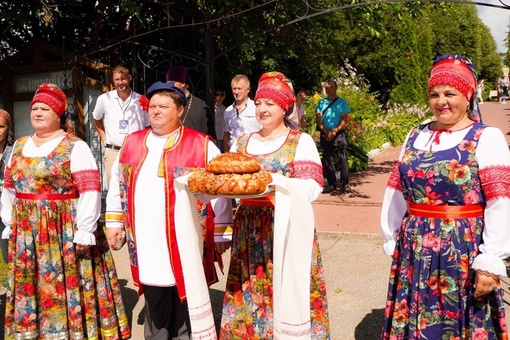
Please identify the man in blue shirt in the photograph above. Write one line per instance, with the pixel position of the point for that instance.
(331, 114)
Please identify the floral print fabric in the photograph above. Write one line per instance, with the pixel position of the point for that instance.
(430, 293)
(247, 306)
(55, 290)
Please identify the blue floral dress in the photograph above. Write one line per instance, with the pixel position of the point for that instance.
(430, 293)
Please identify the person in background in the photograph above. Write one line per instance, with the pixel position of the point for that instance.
(197, 114)
(445, 218)
(479, 91)
(219, 116)
(171, 277)
(297, 120)
(62, 282)
(502, 88)
(6, 142)
(300, 101)
(117, 113)
(332, 114)
(275, 284)
(240, 116)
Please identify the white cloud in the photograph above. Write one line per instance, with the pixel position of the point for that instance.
(497, 19)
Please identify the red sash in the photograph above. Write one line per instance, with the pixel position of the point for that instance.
(445, 211)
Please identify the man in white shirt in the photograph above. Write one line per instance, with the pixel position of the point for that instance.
(240, 118)
(117, 114)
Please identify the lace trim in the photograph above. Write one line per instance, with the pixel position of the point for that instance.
(8, 183)
(489, 274)
(495, 181)
(394, 180)
(87, 180)
(308, 169)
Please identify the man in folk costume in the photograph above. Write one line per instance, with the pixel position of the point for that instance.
(161, 224)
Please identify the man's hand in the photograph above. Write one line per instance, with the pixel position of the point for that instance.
(330, 135)
(115, 237)
(485, 283)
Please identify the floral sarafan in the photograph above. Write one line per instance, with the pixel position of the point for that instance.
(436, 300)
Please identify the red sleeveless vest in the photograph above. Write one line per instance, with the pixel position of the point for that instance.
(189, 151)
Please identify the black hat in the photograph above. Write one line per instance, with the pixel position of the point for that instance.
(168, 86)
(177, 73)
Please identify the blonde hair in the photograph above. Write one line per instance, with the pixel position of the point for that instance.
(241, 77)
(120, 69)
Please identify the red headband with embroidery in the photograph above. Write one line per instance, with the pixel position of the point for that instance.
(455, 73)
(275, 86)
(52, 96)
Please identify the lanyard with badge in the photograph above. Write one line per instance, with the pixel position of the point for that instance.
(123, 123)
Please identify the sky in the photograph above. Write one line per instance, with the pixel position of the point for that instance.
(497, 19)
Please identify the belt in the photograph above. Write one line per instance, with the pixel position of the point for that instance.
(46, 196)
(267, 201)
(114, 147)
(445, 211)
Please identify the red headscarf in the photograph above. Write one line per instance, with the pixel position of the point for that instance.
(456, 73)
(277, 87)
(52, 96)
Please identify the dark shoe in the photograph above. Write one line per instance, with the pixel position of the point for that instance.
(346, 188)
(329, 189)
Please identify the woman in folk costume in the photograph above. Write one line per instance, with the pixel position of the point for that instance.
(446, 218)
(275, 285)
(62, 282)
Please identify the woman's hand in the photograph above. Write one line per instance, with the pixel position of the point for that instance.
(485, 283)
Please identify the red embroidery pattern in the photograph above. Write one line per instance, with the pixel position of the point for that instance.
(308, 169)
(87, 180)
(394, 181)
(8, 179)
(495, 181)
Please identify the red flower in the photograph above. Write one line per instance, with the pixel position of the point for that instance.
(144, 103)
(71, 281)
(47, 302)
(29, 288)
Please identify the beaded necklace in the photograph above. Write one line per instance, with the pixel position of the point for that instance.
(187, 111)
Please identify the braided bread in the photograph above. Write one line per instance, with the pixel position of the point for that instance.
(233, 163)
(229, 184)
(231, 173)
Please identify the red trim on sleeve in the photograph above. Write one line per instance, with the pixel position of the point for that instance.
(495, 181)
(307, 170)
(394, 180)
(87, 180)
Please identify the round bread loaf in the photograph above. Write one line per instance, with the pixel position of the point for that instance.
(233, 163)
(229, 184)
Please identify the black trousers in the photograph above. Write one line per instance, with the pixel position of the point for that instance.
(338, 147)
(166, 318)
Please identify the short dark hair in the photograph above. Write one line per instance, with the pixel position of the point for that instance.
(331, 80)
